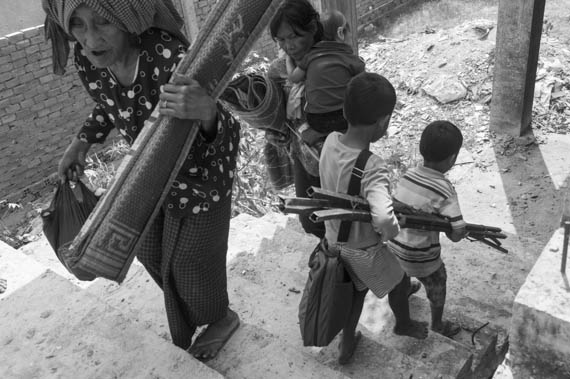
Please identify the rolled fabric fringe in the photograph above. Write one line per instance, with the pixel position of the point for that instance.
(257, 100)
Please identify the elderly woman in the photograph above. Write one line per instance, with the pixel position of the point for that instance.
(125, 52)
(297, 28)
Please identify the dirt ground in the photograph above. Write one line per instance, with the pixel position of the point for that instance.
(502, 181)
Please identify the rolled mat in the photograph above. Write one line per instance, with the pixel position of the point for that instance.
(108, 241)
(257, 100)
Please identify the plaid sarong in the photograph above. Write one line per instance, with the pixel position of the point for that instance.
(187, 258)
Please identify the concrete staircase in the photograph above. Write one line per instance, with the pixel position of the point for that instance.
(101, 329)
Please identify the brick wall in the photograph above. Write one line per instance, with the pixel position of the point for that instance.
(40, 112)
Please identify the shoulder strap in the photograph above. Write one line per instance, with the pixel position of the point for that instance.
(354, 189)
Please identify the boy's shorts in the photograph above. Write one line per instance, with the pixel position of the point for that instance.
(375, 268)
(435, 285)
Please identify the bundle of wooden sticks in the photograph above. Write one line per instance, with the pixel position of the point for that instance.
(326, 205)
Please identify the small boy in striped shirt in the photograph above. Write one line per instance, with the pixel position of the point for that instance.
(426, 188)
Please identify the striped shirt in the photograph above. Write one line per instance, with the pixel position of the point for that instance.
(428, 190)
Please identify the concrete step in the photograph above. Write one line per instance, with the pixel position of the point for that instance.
(437, 352)
(11, 263)
(276, 312)
(541, 319)
(138, 297)
(255, 353)
(484, 339)
(53, 329)
(280, 270)
(252, 349)
(492, 293)
(41, 251)
(247, 232)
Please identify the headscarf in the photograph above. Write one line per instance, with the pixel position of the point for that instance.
(132, 16)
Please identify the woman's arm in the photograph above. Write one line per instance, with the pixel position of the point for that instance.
(72, 163)
(294, 73)
(297, 75)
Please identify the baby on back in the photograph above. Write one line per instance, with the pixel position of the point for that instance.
(326, 70)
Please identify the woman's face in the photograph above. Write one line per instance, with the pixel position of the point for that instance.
(103, 43)
(295, 43)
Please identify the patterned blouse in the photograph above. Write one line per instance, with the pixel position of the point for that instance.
(207, 174)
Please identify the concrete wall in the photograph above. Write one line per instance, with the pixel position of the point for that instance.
(40, 112)
(540, 329)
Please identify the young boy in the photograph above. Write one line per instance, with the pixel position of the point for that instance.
(426, 188)
(368, 105)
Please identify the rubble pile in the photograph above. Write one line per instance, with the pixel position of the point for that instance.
(448, 74)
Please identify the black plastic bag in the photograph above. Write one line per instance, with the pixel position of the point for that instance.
(63, 219)
(327, 298)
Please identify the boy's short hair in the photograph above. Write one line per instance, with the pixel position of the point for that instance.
(439, 140)
(368, 97)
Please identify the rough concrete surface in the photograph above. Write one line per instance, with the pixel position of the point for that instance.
(516, 185)
(540, 332)
(74, 335)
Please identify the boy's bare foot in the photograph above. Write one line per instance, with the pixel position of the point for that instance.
(347, 347)
(415, 329)
(211, 341)
(447, 328)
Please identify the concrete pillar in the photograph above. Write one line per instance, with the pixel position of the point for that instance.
(540, 329)
(519, 28)
(348, 8)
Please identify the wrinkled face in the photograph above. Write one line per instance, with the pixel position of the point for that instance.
(103, 43)
(295, 43)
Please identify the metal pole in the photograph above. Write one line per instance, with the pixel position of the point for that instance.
(565, 246)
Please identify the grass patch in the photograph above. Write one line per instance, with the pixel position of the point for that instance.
(101, 167)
